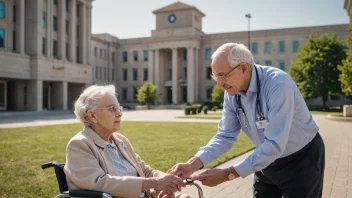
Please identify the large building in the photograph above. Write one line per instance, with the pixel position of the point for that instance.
(47, 54)
(348, 6)
(44, 53)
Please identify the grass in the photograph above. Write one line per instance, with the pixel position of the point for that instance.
(161, 145)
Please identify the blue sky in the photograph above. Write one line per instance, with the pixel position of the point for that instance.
(134, 18)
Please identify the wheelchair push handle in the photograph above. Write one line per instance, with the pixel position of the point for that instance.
(48, 165)
(190, 182)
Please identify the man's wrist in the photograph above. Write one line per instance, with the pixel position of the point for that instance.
(233, 171)
(195, 163)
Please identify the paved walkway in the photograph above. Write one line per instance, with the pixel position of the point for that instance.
(337, 137)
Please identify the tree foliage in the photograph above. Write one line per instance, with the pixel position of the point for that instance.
(148, 93)
(218, 94)
(346, 68)
(315, 69)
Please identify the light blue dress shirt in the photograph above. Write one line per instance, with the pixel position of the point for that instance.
(290, 125)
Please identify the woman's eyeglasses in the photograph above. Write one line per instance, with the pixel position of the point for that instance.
(113, 109)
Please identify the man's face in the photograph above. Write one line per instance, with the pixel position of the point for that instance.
(231, 79)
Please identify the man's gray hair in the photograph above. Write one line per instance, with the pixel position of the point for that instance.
(237, 53)
(90, 98)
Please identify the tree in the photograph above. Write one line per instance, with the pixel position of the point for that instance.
(218, 94)
(315, 69)
(346, 68)
(147, 94)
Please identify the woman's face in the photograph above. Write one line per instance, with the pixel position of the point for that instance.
(108, 115)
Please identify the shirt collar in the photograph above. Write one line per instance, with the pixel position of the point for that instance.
(253, 84)
(98, 140)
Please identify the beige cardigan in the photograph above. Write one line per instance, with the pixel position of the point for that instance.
(90, 166)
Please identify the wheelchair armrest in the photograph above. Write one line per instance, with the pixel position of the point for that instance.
(87, 193)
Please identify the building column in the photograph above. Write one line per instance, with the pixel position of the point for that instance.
(190, 75)
(157, 70)
(196, 74)
(83, 34)
(61, 41)
(59, 92)
(20, 13)
(49, 27)
(35, 95)
(151, 66)
(72, 30)
(89, 37)
(175, 86)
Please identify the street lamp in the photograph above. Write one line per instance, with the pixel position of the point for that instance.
(249, 16)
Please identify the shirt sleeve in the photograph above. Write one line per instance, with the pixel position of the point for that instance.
(227, 135)
(280, 115)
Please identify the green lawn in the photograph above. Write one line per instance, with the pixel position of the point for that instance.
(161, 145)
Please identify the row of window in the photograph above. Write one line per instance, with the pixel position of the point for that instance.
(55, 48)
(55, 24)
(135, 56)
(105, 54)
(135, 74)
(124, 92)
(268, 47)
(102, 73)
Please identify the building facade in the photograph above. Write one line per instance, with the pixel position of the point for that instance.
(44, 56)
(177, 56)
(348, 7)
(47, 54)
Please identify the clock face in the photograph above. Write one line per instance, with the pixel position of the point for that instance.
(172, 18)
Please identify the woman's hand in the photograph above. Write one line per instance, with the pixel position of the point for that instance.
(168, 184)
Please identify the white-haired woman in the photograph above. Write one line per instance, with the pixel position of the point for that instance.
(99, 158)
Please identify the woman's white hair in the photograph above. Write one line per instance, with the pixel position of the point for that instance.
(236, 53)
(90, 98)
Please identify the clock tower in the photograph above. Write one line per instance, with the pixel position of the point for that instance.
(178, 19)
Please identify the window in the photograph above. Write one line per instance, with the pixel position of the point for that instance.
(295, 46)
(207, 53)
(44, 46)
(77, 31)
(209, 71)
(67, 54)
(282, 46)
(96, 72)
(135, 90)
(2, 10)
(113, 57)
(95, 52)
(105, 73)
(282, 66)
(104, 54)
(209, 92)
(145, 74)
(77, 54)
(125, 75)
(44, 20)
(268, 63)
(124, 93)
(54, 23)
(145, 55)
(55, 2)
(184, 54)
(267, 48)
(67, 5)
(77, 11)
(101, 73)
(185, 73)
(170, 73)
(67, 27)
(254, 48)
(14, 13)
(135, 74)
(124, 56)
(2, 38)
(101, 53)
(112, 74)
(135, 55)
(14, 41)
(55, 48)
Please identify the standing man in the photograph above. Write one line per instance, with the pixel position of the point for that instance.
(264, 102)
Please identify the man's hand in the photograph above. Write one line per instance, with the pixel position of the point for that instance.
(212, 177)
(164, 194)
(183, 170)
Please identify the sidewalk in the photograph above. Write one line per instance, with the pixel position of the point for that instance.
(337, 137)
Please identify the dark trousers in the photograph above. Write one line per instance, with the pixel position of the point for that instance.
(300, 174)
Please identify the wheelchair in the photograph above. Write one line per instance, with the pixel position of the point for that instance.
(65, 193)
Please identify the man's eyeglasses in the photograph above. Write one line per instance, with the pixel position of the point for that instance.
(113, 109)
(224, 77)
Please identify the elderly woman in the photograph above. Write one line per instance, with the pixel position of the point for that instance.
(100, 159)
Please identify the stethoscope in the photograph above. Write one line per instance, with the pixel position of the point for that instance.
(240, 111)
